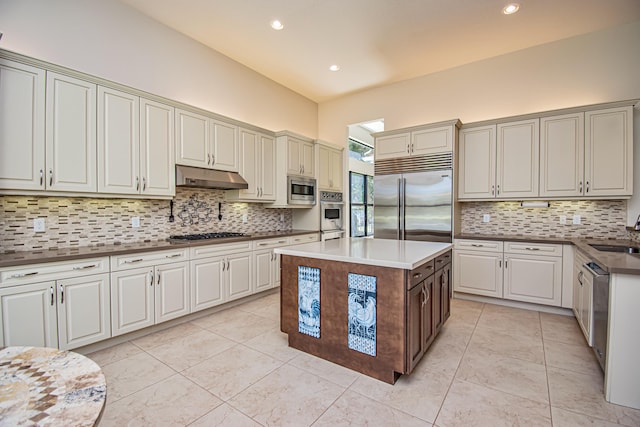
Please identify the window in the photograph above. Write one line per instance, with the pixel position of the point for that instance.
(360, 151)
(361, 207)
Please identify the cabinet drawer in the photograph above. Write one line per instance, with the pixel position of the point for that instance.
(220, 249)
(305, 238)
(479, 245)
(533, 248)
(270, 243)
(147, 259)
(52, 271)
(417, 275)
(443, 260)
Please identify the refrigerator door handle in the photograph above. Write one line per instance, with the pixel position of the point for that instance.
(403, 201)
(400, 210)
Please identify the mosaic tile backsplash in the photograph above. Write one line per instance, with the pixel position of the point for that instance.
(600, 219)
(72, 222)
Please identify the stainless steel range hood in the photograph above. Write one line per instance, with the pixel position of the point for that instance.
(187, 176)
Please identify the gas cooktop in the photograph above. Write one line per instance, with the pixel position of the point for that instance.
(206, 236)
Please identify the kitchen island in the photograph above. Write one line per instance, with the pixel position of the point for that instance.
(371, 305)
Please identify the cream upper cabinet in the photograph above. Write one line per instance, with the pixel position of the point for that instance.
(432, 140)
(118, 142)
(257, 167)
(300, 157)
(518, 145)
(192, 139)
(22, 126)
(70, 134)
(562, 155)
(224, 146)
(609, 152)
(157, 154)
(330, 168)
(477, 163)
(393, 146)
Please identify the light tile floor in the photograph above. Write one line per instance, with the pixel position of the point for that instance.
(490, 366)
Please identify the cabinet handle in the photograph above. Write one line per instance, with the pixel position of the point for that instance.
(41, 177)
(498, 190)
(18, 275)
(158, 281)
(506, 263)
(428, 296)
(208, 159)
(499, 263)
(144, 183)
(580, 274)
(151, 278)
(50, 177)
(228, 265)
(224, 264)
(173, 256)
(424, 299)
(477, 245)
(61, 294)
(442, 281)
(587, 188)
(531, 249)
(408, 150)
(84, 267)
(415, 276)
(439, 261)
(132, 261)
(52, 293)
(213, 160)
(137, 183)
(580, 184)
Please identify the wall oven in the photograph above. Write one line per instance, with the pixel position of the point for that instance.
(301, 191)
(331, 211)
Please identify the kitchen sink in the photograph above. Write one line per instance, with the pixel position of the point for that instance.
(616, 248)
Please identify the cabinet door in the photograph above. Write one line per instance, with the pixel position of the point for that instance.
(157, 151)
(415, 317)
(239, 275)
(518, 145)
(392, 146)
(430, 141)
(248, 162)
(562, 155)
(324, 168)
(263, 262)
(132, 300)
(430, 302)
(308, 159)
(335, 169)
(70, 134)
(172, 291)
(226, 155)
(436, 297)
(22, 96)
(83, 311)
(531, 278)
(294, 156)
(477, 173)
(28, 315)
(118, 142)
(267, 168)
(192, 139)
(478, 273)
(276, 271)
(445, 294)
(207, 283)
(609, 152)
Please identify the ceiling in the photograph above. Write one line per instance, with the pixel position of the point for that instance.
(375, 42)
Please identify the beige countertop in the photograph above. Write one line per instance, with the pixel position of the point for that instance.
(68, 254)
(612, 262)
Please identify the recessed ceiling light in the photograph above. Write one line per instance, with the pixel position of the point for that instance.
(334, 67)
(276, 25)
(511, 8)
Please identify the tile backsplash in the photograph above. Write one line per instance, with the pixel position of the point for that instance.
(72, 222)
(599, 219)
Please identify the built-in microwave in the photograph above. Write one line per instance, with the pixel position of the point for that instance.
(301, 191)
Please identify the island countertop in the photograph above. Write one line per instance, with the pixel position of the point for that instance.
(404, 254)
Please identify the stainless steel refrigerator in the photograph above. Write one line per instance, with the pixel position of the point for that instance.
(413, 206)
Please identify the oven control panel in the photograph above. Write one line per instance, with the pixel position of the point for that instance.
(330, 196)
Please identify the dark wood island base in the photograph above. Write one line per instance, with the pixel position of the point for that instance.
(382, 331)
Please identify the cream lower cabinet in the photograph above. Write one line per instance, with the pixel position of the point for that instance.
(220, 273)
(148, 288)
(67, 308)
(477, 267)
(267, 263)
(582, 296)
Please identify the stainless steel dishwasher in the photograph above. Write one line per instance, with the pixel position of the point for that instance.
(600, 310)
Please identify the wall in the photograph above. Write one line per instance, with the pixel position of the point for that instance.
(111, 40)
(593, 68)
(72, 222)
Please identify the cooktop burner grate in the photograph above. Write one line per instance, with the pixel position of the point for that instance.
(205, 236)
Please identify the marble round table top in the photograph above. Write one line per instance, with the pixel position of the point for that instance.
(49, 387)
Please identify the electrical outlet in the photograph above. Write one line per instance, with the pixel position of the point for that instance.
(563, 219)
(39, 225)
(486, 218)
(135, 221)
(281, 217)
(577, 220)
(244, 217)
